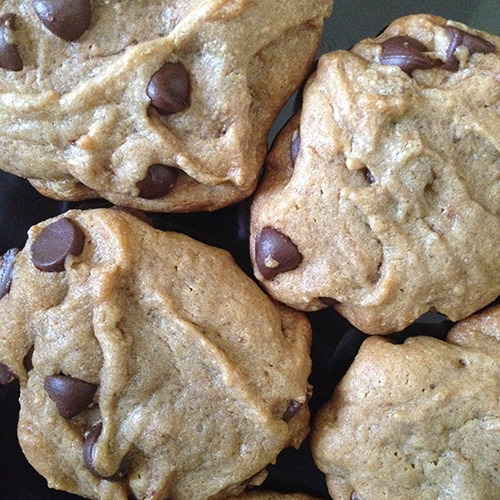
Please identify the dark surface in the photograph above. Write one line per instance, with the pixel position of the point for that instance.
(335, 342)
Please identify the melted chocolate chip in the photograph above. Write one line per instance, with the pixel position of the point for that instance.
(275, 253)
(405, 52)
(295, 146)
(71, 395)
(292, 410)
(88, 447)
(169, 88)
(6, 267)
(474, 44)
(67, 19)
(54, 243)
(9, 54)
(159, 181)
(6, 375)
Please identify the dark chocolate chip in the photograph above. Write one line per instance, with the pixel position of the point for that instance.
(6, 267)
(54, 243)
(71, 395)
(405, 52)
(275, 253)
(6, 375)
(474, 43)
(28, 359)
(368, 175)
(169, 88)
(88, 447)
(159, 181)
(451, 62)
(292, 410)
(295, 146)
(9, 54)
(67, 19)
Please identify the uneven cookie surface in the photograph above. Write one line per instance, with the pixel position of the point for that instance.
(159, 105)
(417, 420)
(143, 366)
(382, 196)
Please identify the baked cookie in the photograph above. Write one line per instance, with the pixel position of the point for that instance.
(143, 366)
(159, 105)
(382, 196)
(417, 420)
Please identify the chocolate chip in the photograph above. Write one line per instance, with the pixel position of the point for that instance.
(474, 43)
(275, 253)
(88, 447)
(9, 54)
(169, 88)
(6, 375)
(295, 146)
(54, 243)
(6, 267)
(71, 395)
(159, 181)
(405, 52)
(67, 19)
(368, 175)
(28, 359)
(292, 410)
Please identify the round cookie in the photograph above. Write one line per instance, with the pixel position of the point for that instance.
(149, 364)
(159, 105)
(416, 420)
(382, 196)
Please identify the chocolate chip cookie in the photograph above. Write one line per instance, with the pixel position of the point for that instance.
(417, 420)
(381, 198)
(159, 105)
(149, 364)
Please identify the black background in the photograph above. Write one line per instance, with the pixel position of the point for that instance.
(335, 342)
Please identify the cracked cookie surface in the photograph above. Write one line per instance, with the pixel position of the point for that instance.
(95, 95)
(143, 366)
(416, 420)
(381, 197)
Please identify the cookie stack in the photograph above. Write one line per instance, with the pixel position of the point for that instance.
(150, 364)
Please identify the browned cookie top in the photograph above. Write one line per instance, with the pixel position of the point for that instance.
(160, 105)
(149, 363)
(382, 196)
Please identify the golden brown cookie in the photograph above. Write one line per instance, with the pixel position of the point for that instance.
(159, 105)
(382, 196)
(149, 363)
(417, 420)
